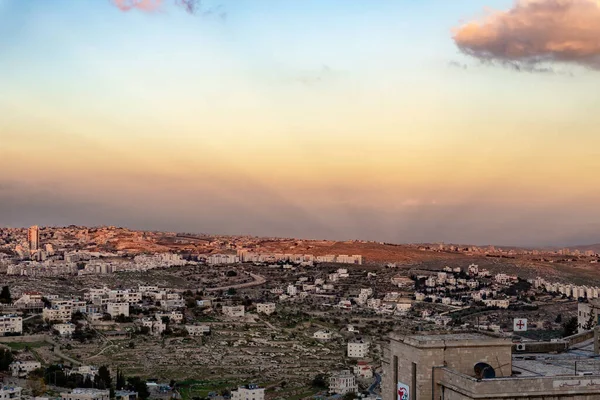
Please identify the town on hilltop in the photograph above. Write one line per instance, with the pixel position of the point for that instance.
(98, 313)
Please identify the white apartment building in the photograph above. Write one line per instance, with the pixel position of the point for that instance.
(86, 394)
(197, 330)
(10, 392)
(64, 329)
(358, 349)
(292, 290)
(116, 309)
(21, 369)
(10, 324)
(248, 392)
(265, 308)
(234, 311)
(342, 382)
(322, 335)
(59, 311)
(146, 289)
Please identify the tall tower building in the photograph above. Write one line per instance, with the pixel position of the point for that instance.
(33, 238)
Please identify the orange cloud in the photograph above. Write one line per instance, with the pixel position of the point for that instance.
(536, 31)
(144, 5)
(152, 5)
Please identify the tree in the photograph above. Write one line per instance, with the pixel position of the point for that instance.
(121, 382)
(570, 327)
(138, 385)
(349, 396)
(103, 377)
(5, 297)
(37, 386)
(591, 323)
(6, 358)
(558, 319)
(320, 382)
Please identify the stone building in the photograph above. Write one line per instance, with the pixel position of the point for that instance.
(465, 366)
(586, 313)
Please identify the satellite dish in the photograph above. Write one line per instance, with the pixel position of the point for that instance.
(484, 371)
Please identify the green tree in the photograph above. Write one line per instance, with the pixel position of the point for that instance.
(558, 319)
(349, 396)
(320, 382)
(591, 323)
(5, 297)
(121, 382)
(570, 327)
(103, 379)
(138, 385)
(6, 358)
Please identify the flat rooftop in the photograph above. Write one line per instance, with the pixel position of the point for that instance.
(457, 339)
(577, 360)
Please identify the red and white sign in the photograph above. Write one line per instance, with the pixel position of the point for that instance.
(403, 391)
(519, 325)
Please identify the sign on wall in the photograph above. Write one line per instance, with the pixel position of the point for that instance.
(519, 325)
(403, 391)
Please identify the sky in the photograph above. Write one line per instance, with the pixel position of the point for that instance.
(389, 120)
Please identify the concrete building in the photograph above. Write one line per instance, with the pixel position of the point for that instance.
(10, 392)
(248, 392)
(234, 311)
(358, 349)
(21, 369)
(64, 329)
(363, 370)
(33, 238)
(197, 330)
(468, 366)
(116, 309)
(342, 382)
(156, 327)
(322, 335)
(265, 308)
(86, 394)
(587, 315)
(11, 324)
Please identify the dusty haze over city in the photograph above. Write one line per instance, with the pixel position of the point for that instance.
(382, 120)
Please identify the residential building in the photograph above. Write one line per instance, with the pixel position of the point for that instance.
(11, 324)
(358, 349)
(363, 370)
(10, 392)
(197, 330)
(86, 394)
(248, 392)
(21, 369)
(322, 335)
(265, 308)
(64, 329)
(116, 309)
(59, 311)
(125, 395)
(156, 327)
(234, 311)
(33, 238)
(342, 382)
(588, 315)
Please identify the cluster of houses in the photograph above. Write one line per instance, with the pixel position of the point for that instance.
(247, 256)
(574, 291)
(88, 263)
(453, 288)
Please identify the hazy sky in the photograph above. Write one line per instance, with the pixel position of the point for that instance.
(403, 121)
